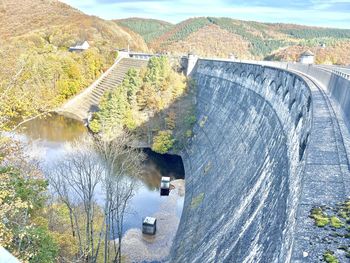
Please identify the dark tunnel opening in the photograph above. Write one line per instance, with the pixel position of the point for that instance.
(167, 164)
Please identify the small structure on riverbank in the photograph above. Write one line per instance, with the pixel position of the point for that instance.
(149, 226)
(165, 186)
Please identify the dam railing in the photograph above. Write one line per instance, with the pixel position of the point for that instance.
(342, 72)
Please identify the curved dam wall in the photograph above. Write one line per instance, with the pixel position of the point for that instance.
(244, 165)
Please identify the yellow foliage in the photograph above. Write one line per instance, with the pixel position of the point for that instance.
(171, 120)
(67, 243)
(163, 142)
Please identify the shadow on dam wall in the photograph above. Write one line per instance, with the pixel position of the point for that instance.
(244, 164)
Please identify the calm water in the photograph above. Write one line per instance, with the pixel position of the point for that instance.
(48, 141)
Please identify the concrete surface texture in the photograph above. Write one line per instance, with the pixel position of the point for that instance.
(268, 146)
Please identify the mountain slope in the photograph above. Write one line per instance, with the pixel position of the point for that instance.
(37, 72)
(60, 23)
(210, 36)
(205, 42)
(149, 29)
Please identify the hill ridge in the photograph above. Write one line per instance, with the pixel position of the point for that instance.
(277, 41)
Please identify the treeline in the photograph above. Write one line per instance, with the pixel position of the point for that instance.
(248, 39)
(310, 33)
(143, 104)
(263, 40)
(260, 44)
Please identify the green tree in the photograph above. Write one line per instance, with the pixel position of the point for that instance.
(163, 141)
(132, 84)
(113, 110)
(158, 70)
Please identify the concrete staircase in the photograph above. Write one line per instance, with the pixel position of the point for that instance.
(87, 101)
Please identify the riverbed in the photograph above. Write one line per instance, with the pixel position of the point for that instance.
(49, 139)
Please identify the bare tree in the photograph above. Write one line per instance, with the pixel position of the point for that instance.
(110, 164)
(75, 179)
(119, 204)
(123, 164)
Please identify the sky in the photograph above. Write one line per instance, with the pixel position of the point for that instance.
(328, 13)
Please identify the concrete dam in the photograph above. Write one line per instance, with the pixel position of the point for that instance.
(269, 145)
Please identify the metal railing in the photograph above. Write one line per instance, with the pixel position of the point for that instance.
(342, 72)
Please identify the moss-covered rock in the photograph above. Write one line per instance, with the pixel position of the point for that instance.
(329, 257)
(320, 218)
(336, 222)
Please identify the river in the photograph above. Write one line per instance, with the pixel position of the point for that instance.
(47, 141)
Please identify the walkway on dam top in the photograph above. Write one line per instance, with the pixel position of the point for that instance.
(326, 178)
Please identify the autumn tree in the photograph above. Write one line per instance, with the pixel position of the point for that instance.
(163, 141)
(22, 203)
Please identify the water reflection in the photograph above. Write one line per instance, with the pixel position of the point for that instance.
(49, 141)
(55, 128)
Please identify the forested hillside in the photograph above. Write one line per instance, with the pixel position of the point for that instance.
(211, 36)
(37, 73)
(149, 29)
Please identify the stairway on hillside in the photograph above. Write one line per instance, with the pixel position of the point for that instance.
(87, 101)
